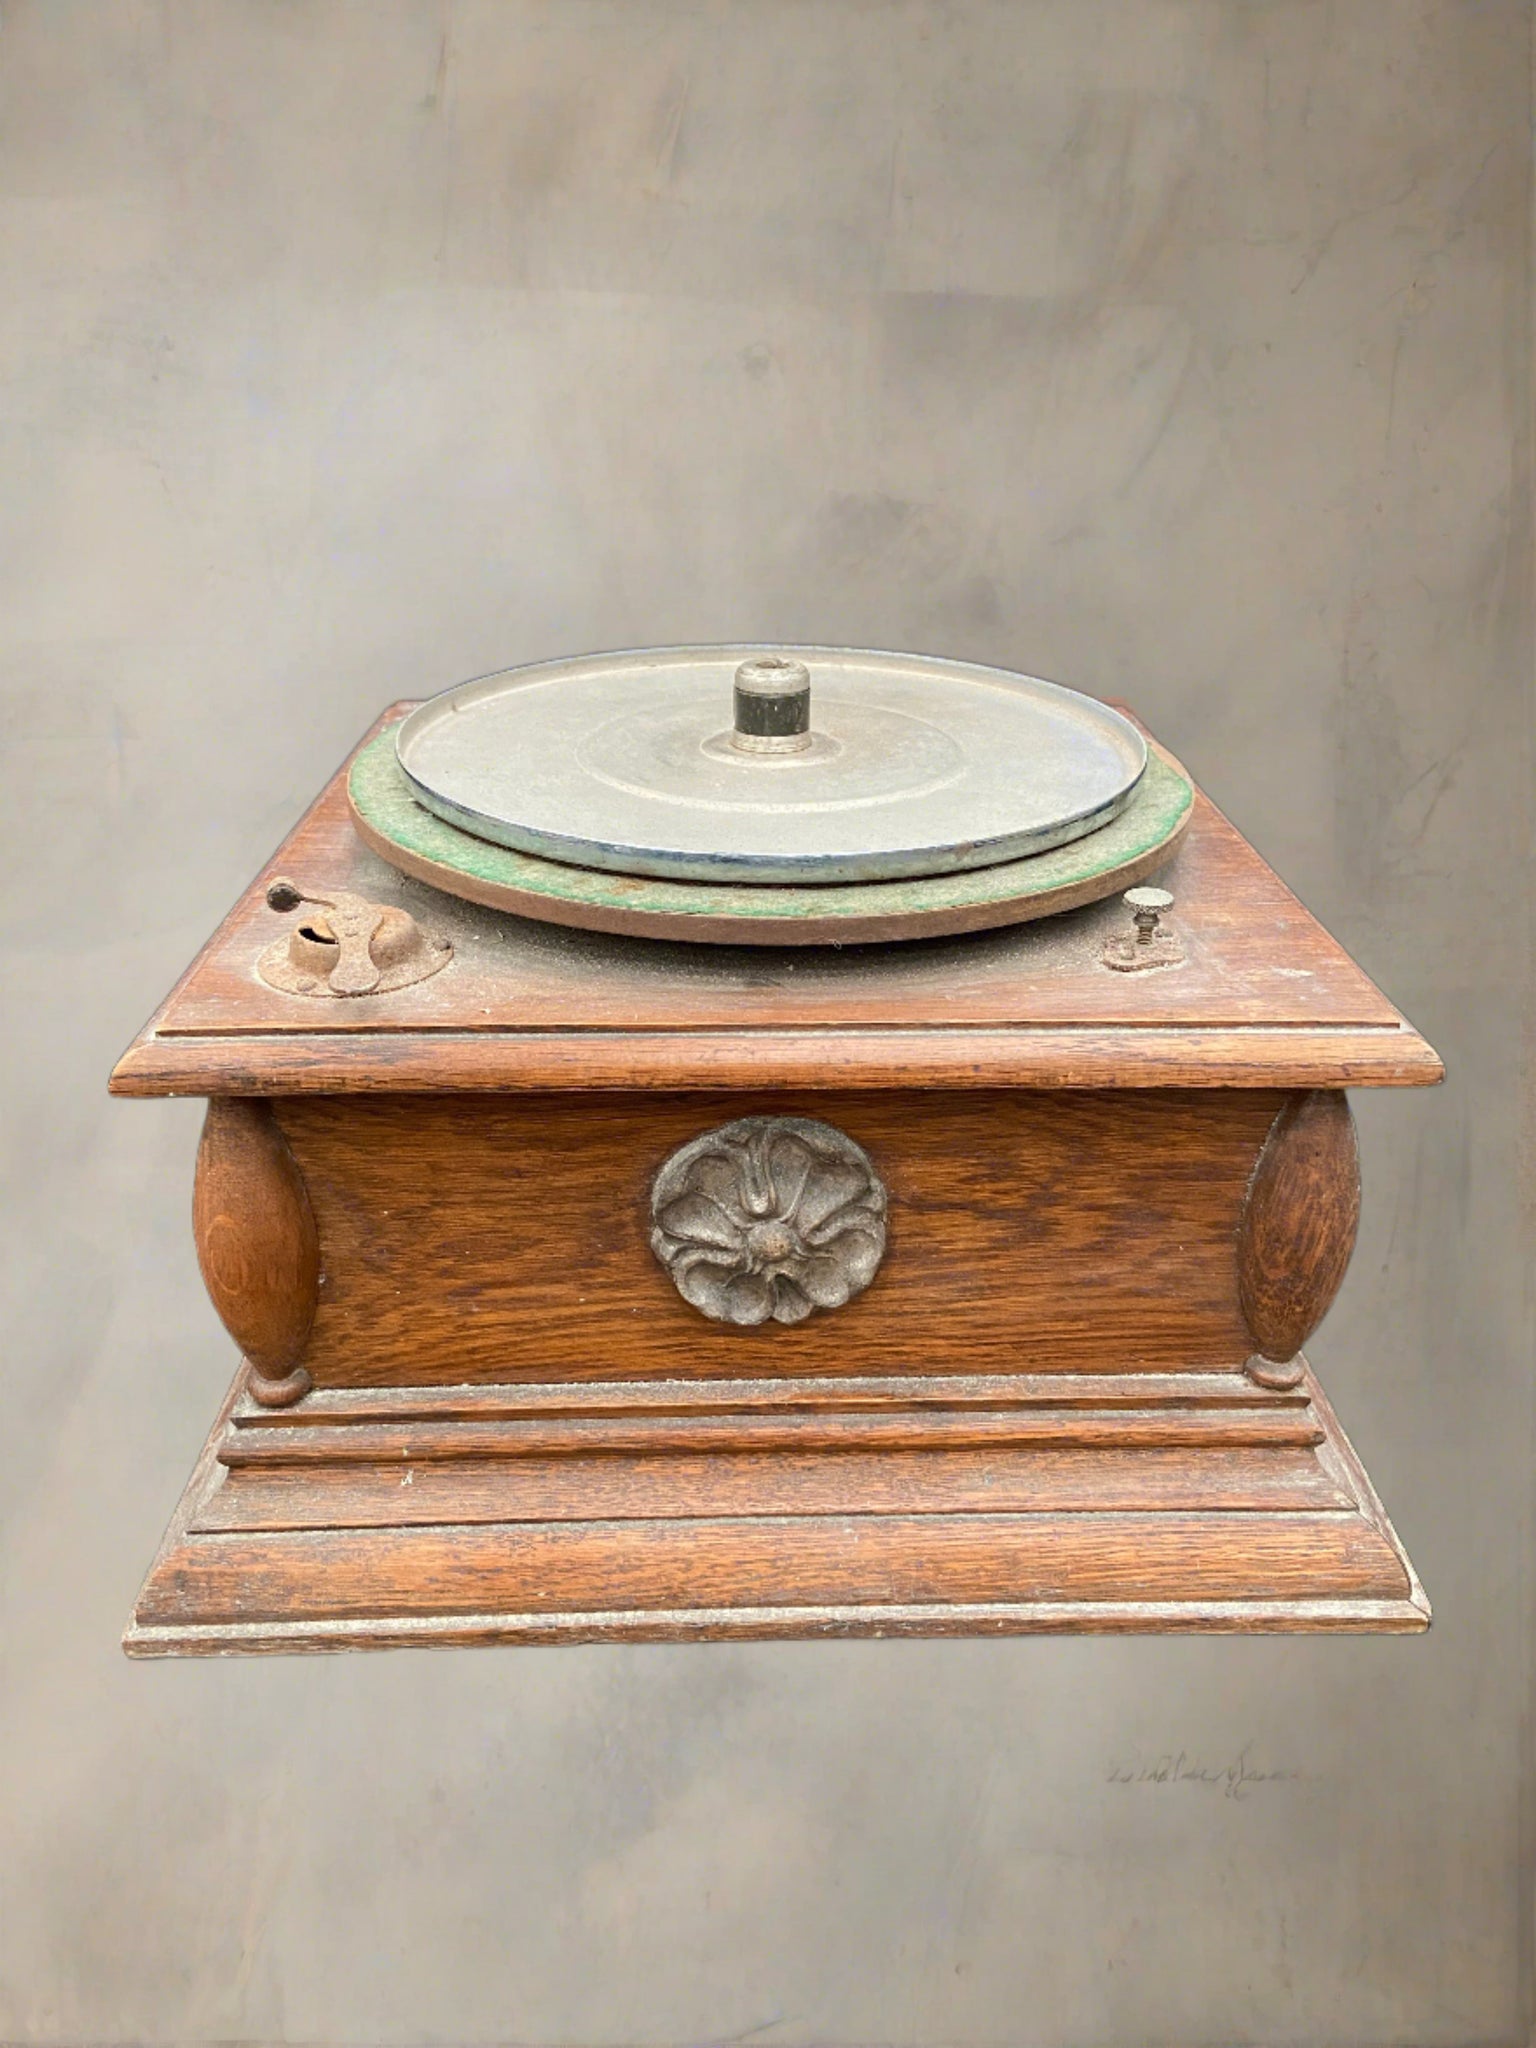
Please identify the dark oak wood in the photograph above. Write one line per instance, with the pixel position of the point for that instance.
(506, 1238)
(1025, 1057)
(884, 1620)
(945, 1394)
(389, 1550)
(257, 1245)
(615, 1488)
(803, 1561)
(1265, 998)
(1297, 1231)
(656, 1436)
(1116, 1206)
(338, 1458)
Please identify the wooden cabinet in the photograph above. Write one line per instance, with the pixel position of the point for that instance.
(1034, 1364)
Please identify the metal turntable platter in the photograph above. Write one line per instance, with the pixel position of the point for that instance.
(791, 765)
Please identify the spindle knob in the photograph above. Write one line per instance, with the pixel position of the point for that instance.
(773, 706)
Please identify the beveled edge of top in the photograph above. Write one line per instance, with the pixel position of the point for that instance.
(493, 1062)
(799, 1057)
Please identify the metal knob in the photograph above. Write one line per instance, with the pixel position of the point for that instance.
(1147, 907)
(1152, 943)
(773, 706)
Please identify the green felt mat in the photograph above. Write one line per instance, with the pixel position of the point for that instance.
(381, 795)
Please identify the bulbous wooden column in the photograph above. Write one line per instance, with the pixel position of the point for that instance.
(257, 1244)
(1297, 1230)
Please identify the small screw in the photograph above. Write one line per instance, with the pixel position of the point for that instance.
(1147, 907)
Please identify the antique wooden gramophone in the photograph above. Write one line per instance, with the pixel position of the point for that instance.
(718, 1143)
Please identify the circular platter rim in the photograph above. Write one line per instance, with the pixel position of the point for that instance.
(518, 757)
(418, 843)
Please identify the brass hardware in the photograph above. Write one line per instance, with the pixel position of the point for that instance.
(355, 948)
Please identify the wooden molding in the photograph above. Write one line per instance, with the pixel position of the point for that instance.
(257, 1245)
(1071, 1398)
(527, 1006)
(1007, 1212)
(1297, 1230)
(321, 1530)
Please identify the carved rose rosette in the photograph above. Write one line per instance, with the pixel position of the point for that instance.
(769, 1218)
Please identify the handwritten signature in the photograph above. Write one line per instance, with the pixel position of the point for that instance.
(1233, 1780)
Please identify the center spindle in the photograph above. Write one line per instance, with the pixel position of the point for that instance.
(773, 706)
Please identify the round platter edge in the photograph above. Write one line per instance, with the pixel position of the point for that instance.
(666, 848)
(1117, 856)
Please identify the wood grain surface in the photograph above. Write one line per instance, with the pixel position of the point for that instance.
(257, 1245)
(433, 1205)
(803, 1561)
(1297, 1230)
(396, 1551)
(529, 1062)
(371, 1554)
(947, 1394)
(615, 1488)
(506, 1238)
(1265, 997)
(399, 1444)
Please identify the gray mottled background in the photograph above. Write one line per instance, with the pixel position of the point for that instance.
(1176, 348)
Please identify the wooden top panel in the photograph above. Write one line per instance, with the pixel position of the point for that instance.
(1265, 997)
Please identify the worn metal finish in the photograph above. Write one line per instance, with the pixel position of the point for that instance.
(631, 763)
(769, 1217)
(1151, 943)
(1148, 906)
(1137, 843)
(355, 948)
(772, 707)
